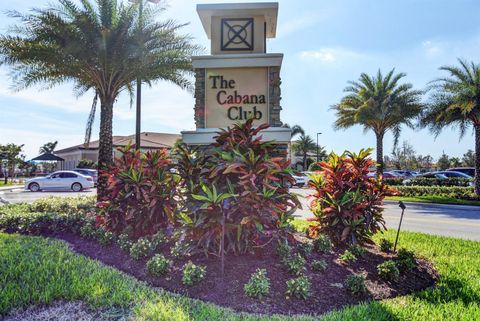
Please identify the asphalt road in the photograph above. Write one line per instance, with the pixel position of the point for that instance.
(449, 220)
(18, 195)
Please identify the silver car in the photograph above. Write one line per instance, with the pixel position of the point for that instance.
(61, 180)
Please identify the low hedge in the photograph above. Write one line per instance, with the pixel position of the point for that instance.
(51, 214)
(422, 181)
(459, 192)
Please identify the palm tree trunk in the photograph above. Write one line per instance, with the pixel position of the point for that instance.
(105, 149)
(477, 159)
(304, 161)
(379, 152)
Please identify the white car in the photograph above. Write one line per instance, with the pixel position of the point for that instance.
(61, 180)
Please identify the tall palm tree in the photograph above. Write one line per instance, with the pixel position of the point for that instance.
(99, 45)
(302, 146)
(379, 103)
(455, 101)
(296, 130)
(48, 148)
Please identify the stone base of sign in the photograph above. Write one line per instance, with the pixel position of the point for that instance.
(205, 136)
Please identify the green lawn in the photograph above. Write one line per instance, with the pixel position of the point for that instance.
(38, 270)
(433, 199)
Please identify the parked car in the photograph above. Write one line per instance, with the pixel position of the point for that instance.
(300, 180)
(385, 175)
(404, 173)
(93, 173)
(470, 171)
(440, 175)
(60, 180)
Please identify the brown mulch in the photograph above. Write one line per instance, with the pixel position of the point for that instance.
(327, 292)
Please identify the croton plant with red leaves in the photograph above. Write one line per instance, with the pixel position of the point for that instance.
(245, 167)
(347, 203)
(141, 193)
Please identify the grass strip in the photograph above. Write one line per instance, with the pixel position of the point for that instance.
(37, 270)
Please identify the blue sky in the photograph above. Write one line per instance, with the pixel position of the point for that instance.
(325, 43)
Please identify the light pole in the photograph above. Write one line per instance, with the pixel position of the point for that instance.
(139, 79)
(318, 151)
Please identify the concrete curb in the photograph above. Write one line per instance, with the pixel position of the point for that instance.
(10, 188)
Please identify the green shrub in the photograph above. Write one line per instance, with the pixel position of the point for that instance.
(388, 271)
(298, 288)
(21, 218)
(296, 265)
(355, 284)
(88, 230)
(305, 248)
(405, 259)
(386, 245)
(242, 165)
(104, 237)
(258, 285)
(322, 243)
(348, 257)
(345, 202)
(465, 193)
(124, 242)
(158, 239)
(319, 265)
(357, 250)
(141, 248)
(179, 249)
(64, 205)
(283, 249)
(193, 273)
(451, 181)
(158, 265)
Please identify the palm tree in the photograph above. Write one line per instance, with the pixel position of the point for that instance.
(455, 101)
(48, 148)
(379, 103)
(101, 46)
(302, 146)
(296, 130)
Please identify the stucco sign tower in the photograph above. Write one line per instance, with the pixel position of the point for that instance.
(239, 79)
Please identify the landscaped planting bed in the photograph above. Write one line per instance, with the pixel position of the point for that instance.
(42, 271)
(327, 288)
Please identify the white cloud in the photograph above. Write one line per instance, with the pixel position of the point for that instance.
(330, 55)
(432, 48)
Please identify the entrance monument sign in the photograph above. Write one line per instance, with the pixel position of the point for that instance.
(239, 79)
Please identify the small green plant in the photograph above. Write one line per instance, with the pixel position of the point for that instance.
(296, 265)
(386, 245)
(319, 265)
(357, 250)
(355, 284)
(141, 249)
(388, 271)
(406, 260)
(283, 249)
(258, 285)
(180, 249)
(193, 273)
(305, 248)
(157, 240)
(348, 257)
(322, 243)
(124, 242)
(88, 230)
(158, 265)
(104, 237)
(298, 288)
